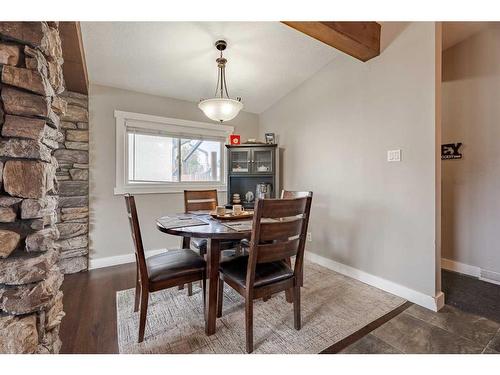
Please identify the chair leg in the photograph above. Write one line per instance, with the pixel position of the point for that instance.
(143, 314)
(249, 324)
(289, 292)
(296, 307)
(181, 286)
(137, 293)
(190, 289)
(266, 298)
(220, 298)
(204, 291)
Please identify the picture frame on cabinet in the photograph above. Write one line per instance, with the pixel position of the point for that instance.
(270, 138)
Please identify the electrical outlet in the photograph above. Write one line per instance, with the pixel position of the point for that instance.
(394, 155)
(309, 237)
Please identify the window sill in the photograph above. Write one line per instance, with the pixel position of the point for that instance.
(162, 189)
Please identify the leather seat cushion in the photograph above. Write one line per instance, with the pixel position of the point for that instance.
(265, 273)
(199, 243)
(202, 243)
(174, 263)
(228, 255)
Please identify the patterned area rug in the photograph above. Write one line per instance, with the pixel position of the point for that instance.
(333, 307)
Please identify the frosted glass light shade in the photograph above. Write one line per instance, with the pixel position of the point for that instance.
(220, 109)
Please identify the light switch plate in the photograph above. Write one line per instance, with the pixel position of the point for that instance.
(394, 155)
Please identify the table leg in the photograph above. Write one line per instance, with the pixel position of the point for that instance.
(213, 256)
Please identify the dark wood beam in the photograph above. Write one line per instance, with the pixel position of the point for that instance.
(74, 67)
(358, 39)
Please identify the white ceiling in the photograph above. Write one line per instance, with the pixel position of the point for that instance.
(266, 60)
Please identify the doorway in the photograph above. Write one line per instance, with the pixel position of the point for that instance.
(470, 167)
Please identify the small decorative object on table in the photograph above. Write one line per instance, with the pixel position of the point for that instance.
(270, 139)
(233, 215)
(237, 209)
(234, 139)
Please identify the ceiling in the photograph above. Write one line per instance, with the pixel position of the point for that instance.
(455, 32)
(266, 60)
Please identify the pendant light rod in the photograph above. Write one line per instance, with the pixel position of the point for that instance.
(221, 87)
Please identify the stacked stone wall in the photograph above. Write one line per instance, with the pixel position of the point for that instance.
(31, 113)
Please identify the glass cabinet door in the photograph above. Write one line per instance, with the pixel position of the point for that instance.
(263, 161)
(240, 161)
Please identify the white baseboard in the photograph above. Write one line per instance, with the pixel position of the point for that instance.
(118, 259)
(466, 269)
(433, 303)
(474, 271)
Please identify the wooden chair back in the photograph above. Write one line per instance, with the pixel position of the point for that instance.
(284, 222)
(200, 200)
(136, 237)
(288, 194)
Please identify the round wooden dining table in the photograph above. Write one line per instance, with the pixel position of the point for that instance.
(215, 232)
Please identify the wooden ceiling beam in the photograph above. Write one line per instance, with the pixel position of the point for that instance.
(75, 66)
(358, 39)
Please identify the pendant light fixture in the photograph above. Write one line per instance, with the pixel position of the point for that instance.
(221, 108)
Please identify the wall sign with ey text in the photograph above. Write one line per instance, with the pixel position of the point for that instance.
(451, 151)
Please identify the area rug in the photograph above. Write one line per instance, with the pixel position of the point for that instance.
(333, 307)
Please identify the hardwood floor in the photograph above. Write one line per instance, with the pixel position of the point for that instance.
(90, 305)
(90, 322)
(89, 326)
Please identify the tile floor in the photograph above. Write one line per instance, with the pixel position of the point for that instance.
(472, 295)
(418, 330)
(451, 330)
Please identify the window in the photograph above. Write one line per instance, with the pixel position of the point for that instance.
(161, 155)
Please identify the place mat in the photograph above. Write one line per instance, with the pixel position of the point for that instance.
(180, 221)
(333, 307)
(245, 225)
(239, 226)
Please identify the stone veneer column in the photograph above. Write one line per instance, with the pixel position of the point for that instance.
(73, 178)
(31, 78)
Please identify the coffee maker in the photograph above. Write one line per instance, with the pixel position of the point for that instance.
(263, 190)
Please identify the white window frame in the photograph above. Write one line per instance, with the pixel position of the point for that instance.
(170, 125)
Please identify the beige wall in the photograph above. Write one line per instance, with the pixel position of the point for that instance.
(109, 231)
(471, 186)
(336, 128)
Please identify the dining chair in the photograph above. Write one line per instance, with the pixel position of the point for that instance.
(207, 200)
(289, 194)
(278, 233)
(161, 271)
(285, 194)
